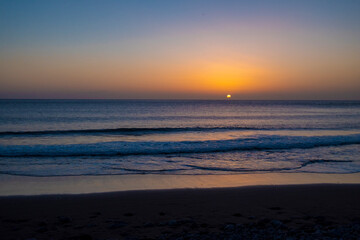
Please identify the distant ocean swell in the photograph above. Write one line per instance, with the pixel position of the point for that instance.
(165, 130)
(122, 148)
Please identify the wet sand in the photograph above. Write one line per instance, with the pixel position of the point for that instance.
(263, 212)
(28, 185)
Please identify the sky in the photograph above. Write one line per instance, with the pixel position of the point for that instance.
(152, 49)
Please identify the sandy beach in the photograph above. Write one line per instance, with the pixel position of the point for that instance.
(180, 120)
(313, 211)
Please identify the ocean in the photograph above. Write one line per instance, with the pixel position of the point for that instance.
(178, 137)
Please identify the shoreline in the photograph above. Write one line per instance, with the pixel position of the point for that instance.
(284, 211)
(27, 186)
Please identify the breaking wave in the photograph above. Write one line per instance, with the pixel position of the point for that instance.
(122, 148)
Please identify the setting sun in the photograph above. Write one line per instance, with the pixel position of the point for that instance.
(229, 107)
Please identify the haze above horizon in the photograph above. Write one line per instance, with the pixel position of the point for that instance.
(137, 49)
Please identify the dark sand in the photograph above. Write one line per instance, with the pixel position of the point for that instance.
(323, 211)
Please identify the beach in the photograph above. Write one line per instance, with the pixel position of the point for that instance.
(179, 169)
(308, 211)
(179, 120)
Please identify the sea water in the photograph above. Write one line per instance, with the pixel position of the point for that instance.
(178, 137)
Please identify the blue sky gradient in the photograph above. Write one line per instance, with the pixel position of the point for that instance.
(307, 49)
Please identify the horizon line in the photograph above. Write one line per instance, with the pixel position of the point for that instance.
(179, 99)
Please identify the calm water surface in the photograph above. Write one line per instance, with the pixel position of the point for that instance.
(107, 137)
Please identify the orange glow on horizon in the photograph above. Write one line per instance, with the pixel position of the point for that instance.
(180, 78)
(229, 77)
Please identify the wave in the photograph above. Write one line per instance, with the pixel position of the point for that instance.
(122, 131)
(143, 131)
(192, 169)
(304, 164)
(323, 161)
(122, 148)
